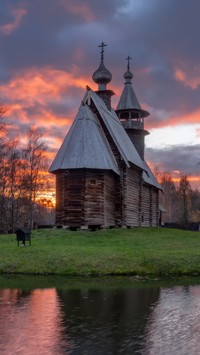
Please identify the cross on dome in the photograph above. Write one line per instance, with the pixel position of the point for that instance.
(102, 50)
(128, 75)
(102, 76)
(128, 64)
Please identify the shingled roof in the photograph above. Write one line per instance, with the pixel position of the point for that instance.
(128, 99)
(116, 130)
(85, 145)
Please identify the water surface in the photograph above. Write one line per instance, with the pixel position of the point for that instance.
(136, 319)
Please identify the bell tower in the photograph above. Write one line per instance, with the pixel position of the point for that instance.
(131, 114)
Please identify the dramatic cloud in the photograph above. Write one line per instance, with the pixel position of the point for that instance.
(189, 79)
(49, 51)
(182, 156)
(12, 23)
(47, 98)
(178, 160)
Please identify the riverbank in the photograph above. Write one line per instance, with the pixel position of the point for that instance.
(136, 251)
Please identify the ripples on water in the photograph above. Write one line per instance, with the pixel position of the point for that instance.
(88, 321)
(174, 325)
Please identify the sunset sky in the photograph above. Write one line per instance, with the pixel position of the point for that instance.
(49, 51)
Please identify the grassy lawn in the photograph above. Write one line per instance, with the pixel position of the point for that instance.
(137, 251)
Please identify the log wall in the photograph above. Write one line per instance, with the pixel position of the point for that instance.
(59, 198)
(118, 203)
(85, 198)
(70, 197)
(155, 208)
(94, 198)
(131, 199)
(146, 206)
(109, 199)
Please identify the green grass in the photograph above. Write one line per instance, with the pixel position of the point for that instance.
(137, 251)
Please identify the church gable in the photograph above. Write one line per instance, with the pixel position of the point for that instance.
(116, 131)
(85, 145)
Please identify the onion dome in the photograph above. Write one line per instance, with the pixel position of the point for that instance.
(102, 76)
(128, 76)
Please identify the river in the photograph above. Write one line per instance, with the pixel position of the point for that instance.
(99, 317)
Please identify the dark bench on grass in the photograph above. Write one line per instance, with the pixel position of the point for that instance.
(23, 235)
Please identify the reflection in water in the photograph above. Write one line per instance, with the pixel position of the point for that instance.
(174, 326)
(150, 321)
(107, 322)
(73, 321)
(30, 322)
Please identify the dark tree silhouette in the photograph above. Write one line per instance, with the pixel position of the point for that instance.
(184, 195)
(35, 164)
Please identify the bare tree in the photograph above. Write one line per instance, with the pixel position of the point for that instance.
(184, 194)
(35, 167)
(3, 167)
(195, 202)
(169, 197)
(3, 110)
(15, 192)
(22, 176)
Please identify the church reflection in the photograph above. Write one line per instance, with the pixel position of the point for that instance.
(87, 320)
(108, 322)
(50, 321)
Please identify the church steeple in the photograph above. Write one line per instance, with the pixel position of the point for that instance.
(102, 76)
(131, 114)
(128, 100)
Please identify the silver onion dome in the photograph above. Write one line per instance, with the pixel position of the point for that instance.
(102, 76)
(128, 75)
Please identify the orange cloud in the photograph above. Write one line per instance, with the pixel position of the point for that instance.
(34, 97)
(144, 71)
(189, 118)
(49, 119)
(11, 26)
(190, 79)
(82, 10)
(36, 89)
(41, 85)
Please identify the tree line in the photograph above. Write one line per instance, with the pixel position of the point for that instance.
(181, 202)
(22, 176)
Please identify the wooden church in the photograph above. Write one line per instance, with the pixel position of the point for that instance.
(102, 178)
